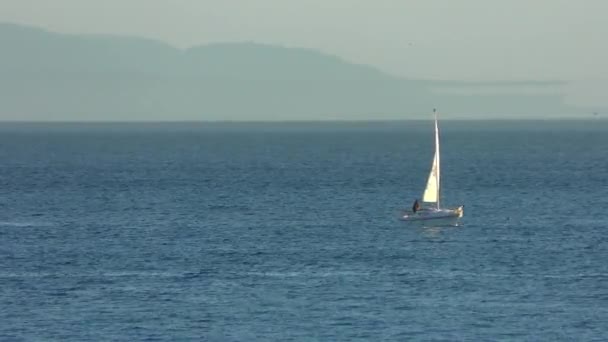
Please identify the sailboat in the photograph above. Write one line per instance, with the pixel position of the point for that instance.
(431, 198)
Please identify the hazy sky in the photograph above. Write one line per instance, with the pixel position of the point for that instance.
(438, 39)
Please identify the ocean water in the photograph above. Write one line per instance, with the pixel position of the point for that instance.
(287, 232)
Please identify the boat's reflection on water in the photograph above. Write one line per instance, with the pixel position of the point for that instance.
(435, 229)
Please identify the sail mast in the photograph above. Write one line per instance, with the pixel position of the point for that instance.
(437, 159)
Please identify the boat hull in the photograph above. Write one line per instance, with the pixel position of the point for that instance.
(435, 215)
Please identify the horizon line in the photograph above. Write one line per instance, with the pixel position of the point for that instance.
(569, 118)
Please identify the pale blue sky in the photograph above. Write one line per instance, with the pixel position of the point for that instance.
(434, 39)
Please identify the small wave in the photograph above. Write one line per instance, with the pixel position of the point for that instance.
(151, 274)
(576, 275)
(111, 274)
(275, 274)
(313, 274)
(24, 224)
(467, 274)
(25, 274)
(586, 221)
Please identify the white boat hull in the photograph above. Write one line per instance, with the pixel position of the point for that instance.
(435, 215)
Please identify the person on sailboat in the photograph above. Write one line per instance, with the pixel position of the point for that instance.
(416, 206)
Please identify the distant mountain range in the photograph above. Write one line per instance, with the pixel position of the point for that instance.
(50, 76)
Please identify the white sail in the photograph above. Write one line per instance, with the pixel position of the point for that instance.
(431, 192)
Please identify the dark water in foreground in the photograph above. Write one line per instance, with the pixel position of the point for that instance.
(288, 232)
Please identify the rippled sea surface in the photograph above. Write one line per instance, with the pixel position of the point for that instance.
(244, 232)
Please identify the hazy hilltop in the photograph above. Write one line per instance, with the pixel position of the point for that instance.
(50, 76)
